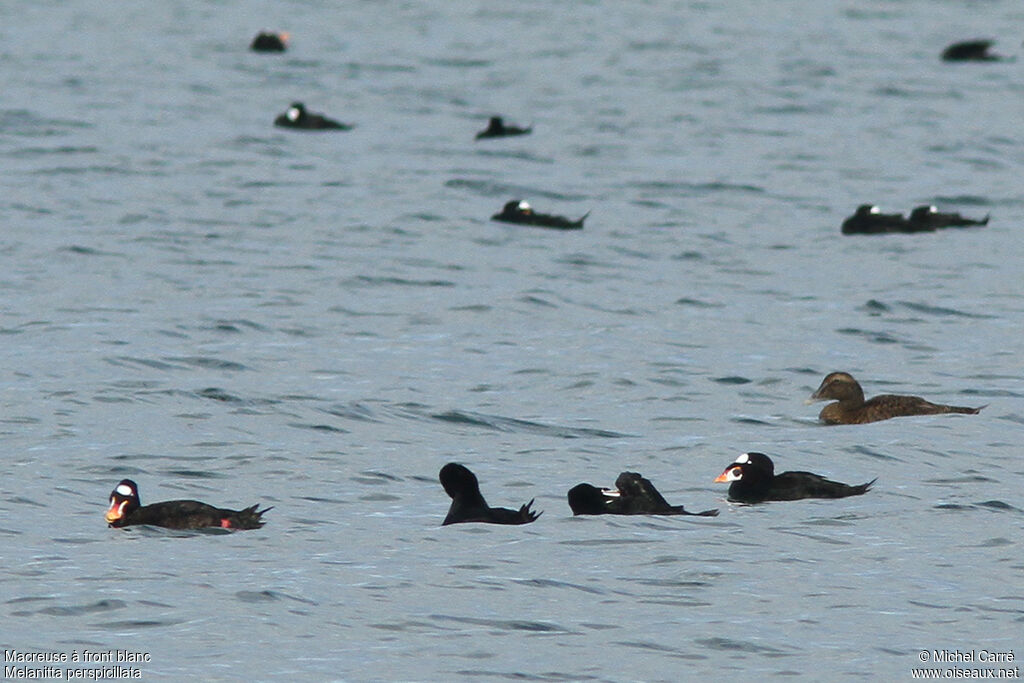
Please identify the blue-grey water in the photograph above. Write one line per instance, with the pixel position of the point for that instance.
(227, 311)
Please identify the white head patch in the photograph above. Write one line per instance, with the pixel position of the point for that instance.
(875, 209)
(743, 459)
(524, 205)
(932, 209)
(294, 113)
(733, 474)
(125, 490)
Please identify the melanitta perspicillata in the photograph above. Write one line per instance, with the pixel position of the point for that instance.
(496, 128)
(752, 479)
(852, 409)
(125, 510)
(633, 495)
(266, 41)
(929, 218)
(297, 117)
(518, 211)
(868, 220)
(971, 51)
(469, 506)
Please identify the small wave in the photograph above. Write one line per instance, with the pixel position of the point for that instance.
(489, 188)
(734, 646)
(940, 310)
(405, 282)
(511, 424)
(505, 624)
(88, 608)
(875, 337)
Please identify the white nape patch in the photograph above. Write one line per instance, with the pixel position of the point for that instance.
(933, 209)
(524, 206)
(124, 490)
(293, 114)
(875, 209)
(743, 459)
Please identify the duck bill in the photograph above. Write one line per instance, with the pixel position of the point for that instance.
(722, 478)
(115, 513)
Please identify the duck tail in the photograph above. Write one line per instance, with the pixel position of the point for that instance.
(251, 518)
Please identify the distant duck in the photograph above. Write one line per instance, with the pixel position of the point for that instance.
(632, 495)
(518, 211)
(868, 220)
(297, 117)
(971, 51)
(929, 218)
(497, 129)
(269, 42)
(752, 479)
(468, 505)
(850, 408)
(126, 510)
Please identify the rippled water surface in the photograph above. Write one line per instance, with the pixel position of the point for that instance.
(227, 311)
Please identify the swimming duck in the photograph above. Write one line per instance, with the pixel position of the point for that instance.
(632, 495)
(126, 510)
(868, 220)
(266, 41)
(297, 117)
(851, 408)
(496, 128)
(518, 211)
(971, 51)
(929, 218)
(752, 479)
(468, 505)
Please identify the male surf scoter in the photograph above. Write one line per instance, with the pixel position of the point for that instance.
(469, 506)
(297, 117)
(752, 479)
(971, 51)
(851, 408)
(868, 220)
(518, 211)
(633, 495)
(496, 128)
(266, 41)
(125, 510)
(929, 218)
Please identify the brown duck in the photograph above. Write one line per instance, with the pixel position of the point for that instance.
(851, 408)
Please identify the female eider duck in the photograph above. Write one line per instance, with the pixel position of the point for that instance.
(632, 495)
(297, 117)
(752, 479)
(850, 408)
(519, 212)
(468, 505)
(125, 510)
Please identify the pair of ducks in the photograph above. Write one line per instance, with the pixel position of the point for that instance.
(869, 220)
(751, 477)
(298, 117)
